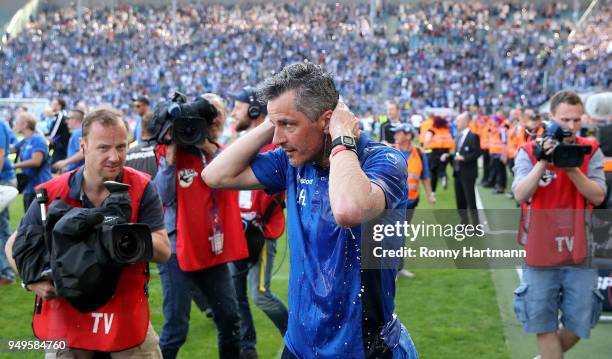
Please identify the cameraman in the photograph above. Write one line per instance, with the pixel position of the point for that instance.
(197, 218)
(558, 282)
(128, 331)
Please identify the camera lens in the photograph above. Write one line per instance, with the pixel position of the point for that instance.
(189, 131)
(127, 248)
(129, 243)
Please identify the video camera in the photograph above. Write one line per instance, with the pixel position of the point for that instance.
(563, 155)
(187, 121)
(90, 246)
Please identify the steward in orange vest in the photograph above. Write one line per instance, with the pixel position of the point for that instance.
(418, 171)
(423, 130)
(513, 134)
(417, 165)
(441, 138)
(534, 128)
(484, 127)
(439, 141)
(484, 135)
(497, 153)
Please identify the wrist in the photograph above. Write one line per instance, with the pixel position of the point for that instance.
(571, 170)
(338, 149)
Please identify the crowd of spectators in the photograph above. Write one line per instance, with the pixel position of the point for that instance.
(440, 60)
(441, 54)
(586, 62)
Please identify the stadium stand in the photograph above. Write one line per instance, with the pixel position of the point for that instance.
(493, 55)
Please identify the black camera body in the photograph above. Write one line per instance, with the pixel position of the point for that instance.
(563, 154)
(90, 246)
(124, 242)
(187, 122)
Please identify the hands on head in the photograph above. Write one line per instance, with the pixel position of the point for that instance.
(343, 122)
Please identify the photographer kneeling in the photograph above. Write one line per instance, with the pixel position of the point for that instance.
(558, 180)
(204, 224)
(121, 324)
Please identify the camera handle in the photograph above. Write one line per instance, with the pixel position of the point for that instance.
(42, 198)
(114, 186)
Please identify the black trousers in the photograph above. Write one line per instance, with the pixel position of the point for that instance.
(465, 197)
(498, 175)
(409, 214)
(510, 165)
(486, 159)
(437, 168)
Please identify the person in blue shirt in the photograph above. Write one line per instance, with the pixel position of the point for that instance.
(7, 177)
(336, 179)
(141, 107)
(74, 157)
(33, 156)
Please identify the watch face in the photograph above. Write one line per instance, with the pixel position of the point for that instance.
(348, 141)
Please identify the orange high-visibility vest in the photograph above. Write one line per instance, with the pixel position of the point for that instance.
(415, 170)
(513, 140)
(425, 126)
(441, 139)
(484, 136)
(474, 127)
(496, 146)
(608, 164)
(521, 137)
(525, 136)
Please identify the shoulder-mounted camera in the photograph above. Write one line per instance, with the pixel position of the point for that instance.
(186, 122)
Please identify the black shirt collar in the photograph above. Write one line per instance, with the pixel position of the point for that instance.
(76, 183)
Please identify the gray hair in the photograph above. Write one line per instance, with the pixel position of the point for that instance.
(315, 91)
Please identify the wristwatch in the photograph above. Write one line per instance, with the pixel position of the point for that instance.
(346, 141)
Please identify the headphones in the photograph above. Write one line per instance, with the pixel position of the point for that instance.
(254, 109)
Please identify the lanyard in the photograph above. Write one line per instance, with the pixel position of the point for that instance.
(213, 191)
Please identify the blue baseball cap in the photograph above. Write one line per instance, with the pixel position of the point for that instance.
(248, 95)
